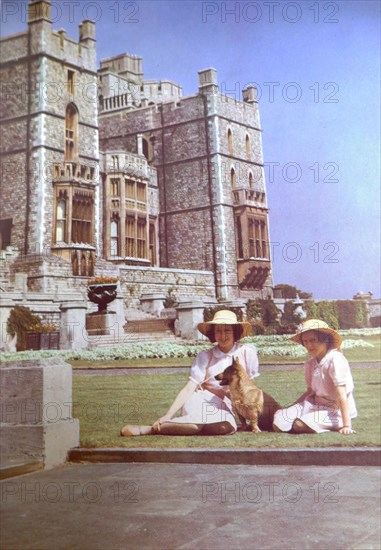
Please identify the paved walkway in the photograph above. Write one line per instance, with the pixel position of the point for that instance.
(192, 506)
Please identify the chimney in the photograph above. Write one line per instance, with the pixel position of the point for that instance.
(249, 94)
(87, 30)
(207, 81)
(39, 10)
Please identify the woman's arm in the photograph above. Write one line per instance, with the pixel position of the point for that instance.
(343, 404)
(307, 393)
(181, 398)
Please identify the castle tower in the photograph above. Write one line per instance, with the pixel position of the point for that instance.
(50, 155)
(207, 150)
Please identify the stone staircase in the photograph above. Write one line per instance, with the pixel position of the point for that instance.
(143, 327)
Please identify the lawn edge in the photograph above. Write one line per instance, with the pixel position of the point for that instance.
(329, 456)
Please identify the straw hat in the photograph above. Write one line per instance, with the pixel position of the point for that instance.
(224, 317)
(321, 326)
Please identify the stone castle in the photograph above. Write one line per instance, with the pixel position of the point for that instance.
(104, 172)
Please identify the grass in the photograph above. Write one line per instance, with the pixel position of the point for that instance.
(103, 404)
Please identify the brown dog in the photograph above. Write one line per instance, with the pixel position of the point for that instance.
(248, 400)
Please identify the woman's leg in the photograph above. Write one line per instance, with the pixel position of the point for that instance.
(284, 418)
(218, 428)
(300, 427)
(177, 428)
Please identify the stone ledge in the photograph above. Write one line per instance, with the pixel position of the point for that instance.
(21, 469)
(330, 456)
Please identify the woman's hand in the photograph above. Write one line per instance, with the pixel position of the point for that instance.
(346, 430)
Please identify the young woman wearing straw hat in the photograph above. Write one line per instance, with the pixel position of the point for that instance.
(205, 405)
(328, 404)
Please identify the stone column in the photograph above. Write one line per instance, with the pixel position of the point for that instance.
(37, 426)
(189, 315)
(73, 334)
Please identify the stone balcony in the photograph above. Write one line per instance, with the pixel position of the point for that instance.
(249, 197)
(70, 171)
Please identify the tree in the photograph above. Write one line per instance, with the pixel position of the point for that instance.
(290, 292)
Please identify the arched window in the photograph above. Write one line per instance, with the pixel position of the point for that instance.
(61, 220)
(71, 132)
(248, 147)
(250, 180)
(114, 233)
(230, 142)
(233, 178)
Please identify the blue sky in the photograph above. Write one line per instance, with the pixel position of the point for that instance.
(317, 69)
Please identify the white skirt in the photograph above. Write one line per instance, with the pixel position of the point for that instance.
(204, 407)
(319, 417)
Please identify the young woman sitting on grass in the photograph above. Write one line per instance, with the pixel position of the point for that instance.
(328, 404)
(205, 405)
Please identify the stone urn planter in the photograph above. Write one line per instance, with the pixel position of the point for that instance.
(102, 294)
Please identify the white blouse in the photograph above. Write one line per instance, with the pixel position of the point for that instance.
(323, 377)
(211, 362)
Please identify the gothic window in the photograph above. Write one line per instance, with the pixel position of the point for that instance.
(141, 237)
(248, 147)
(146, 149)
(130, 189)
(114, 184)
(115, 163)
(141, 192)
(74, 263)
(239, 237)
(71, 132)
(82, 214)
(152, 243)
(233, 178)
(130, 236)
(252, 242)
(61, 235)
(230, 142)
(114, 234)
(5, 233)
(70, 82)
(250, 180)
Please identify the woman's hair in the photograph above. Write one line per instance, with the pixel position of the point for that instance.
(237, 333)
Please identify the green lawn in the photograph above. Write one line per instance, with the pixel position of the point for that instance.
(103, 404)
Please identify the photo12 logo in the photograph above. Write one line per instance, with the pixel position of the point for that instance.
(270, 12)
(69, 11)
(288, 92)
(268, 491)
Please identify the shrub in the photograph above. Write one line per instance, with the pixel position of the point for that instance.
(265, 310)
(170, 300)
(325, 310)
(352, 313)
(20, 321)
(257, 327)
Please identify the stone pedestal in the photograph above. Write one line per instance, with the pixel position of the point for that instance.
(36, 412)
(189, 315)
(73, 333)
(100, 324)
(152, 303)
